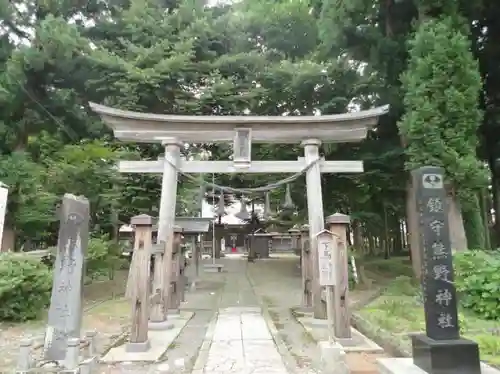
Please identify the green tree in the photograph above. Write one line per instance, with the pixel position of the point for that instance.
(30, 207)
(442, 86)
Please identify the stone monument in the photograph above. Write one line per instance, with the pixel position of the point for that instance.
(64, 349)
(65, 312)
(440, 350)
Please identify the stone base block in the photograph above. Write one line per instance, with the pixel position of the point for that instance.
(460, 356)
(159, 340)
(213, 268)
(406, 366)
(138, 347)
(318, 328)
(333, 358)
(304, 309)
(160, 326)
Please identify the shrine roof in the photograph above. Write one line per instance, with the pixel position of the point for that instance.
(150, 128)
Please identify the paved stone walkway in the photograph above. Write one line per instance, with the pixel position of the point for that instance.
(242, 343)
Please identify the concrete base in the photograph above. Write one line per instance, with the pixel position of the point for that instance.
(333, 358)
(318, 328)
(159, 343)
(160, 326)
(406, 366)
(213, 268)
(137, 347)
(303, 309)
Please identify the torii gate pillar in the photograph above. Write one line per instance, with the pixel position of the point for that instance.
(316, 218)
(163, 262)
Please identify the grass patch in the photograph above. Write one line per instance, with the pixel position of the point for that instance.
(399, 311)
(393, 267)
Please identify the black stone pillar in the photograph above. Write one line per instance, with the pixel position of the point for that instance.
(440, 350)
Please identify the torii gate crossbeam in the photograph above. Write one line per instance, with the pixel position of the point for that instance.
(228, 167)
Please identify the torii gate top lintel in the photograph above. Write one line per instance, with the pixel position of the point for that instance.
(151, 128)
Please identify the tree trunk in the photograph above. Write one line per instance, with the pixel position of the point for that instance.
(357, 237)
(398, 235)
(8, 239)
(457, 230)
(413, 229)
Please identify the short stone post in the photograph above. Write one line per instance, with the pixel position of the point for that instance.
(140, 289)
(338, 224)
(90, 364)
(24, 360)
(90, 338)
(174, 299)
(71, 360)
(306, 267)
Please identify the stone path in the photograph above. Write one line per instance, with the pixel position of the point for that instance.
(242, 343)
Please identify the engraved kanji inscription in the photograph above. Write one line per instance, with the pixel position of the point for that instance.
(445, 320)
(441, 272)
(435, 205)
(438, 251)
(436, 226)
(444, 297)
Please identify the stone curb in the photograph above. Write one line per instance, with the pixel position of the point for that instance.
(202, 357)
(388, 341)
(280, 344)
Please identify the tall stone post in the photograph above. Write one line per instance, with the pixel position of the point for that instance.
(165, 230)
(195, 253)
(306, 267)
(220, 231)
(139, 291)
(295, 243)
(316, 218)
(174, 301)
(338, 224)
(441, 349)
(65, 312)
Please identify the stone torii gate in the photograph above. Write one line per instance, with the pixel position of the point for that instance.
(175, 130)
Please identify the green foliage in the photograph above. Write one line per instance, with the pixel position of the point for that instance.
(31, 207)
(103, 257)
(478, 282)
(396, 266)
(25, 285)
(442, 87)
